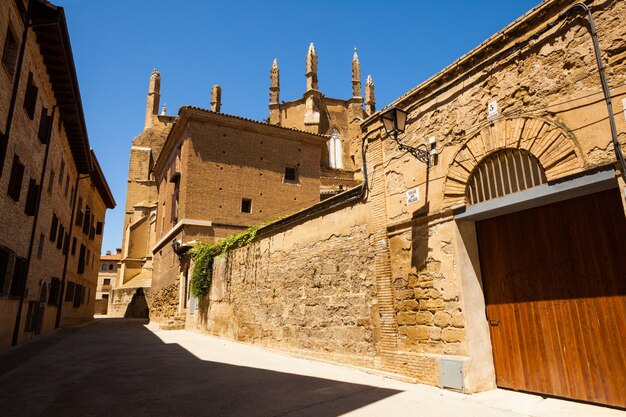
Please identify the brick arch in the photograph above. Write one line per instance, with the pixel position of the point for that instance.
(552, 145)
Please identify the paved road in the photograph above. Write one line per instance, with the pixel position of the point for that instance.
(121, 367)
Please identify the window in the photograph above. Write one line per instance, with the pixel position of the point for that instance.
(246, 205)
(6, 257)
(9, 55)
(67, 186)
(291, 174)
(335, 154)
(104, 267)
(40, 246)
(44, 126)
(50, 182)
(66, 243)
(31, 197)
(30, 99)
(72, 194)
(107, 281)
(53, 227)
(78, 295)
(18, 282)
(86, 220)
(31, 316)
(81, 259)
(110, 267)
(55, 291)
(15, 181)
(99, 228)
(73, 246)
(60, 237)
(69, 293)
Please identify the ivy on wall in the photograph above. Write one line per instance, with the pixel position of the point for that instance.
(203, 255)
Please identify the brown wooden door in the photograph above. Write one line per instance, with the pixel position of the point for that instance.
(555, 287)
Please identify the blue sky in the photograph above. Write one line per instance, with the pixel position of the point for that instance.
(195, 44)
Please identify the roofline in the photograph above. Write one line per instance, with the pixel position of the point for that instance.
(190, 113)
(70, 106)
(97, 177)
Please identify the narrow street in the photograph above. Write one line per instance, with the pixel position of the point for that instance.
(123, 367)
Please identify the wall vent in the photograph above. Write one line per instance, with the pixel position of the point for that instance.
(451, 373)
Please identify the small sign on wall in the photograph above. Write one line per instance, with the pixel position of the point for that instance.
(412, 196)
(492, 110)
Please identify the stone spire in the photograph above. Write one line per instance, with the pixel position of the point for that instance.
(356, 75)
(370, 100)
(274, 83)
(154, 96)
(216, 98)
(164, 110)
(311, 68)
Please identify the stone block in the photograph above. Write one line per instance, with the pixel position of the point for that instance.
(442, 319)
(453, 335)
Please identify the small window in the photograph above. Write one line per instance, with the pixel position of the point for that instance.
(110, 267)
(30, 99)
(99, 228)
(66, 243)
(81, 259)
(53, 227)
(44, 126)
(31, 316)
(246, 205)
(31, 197)
(107, 281)
(15, 181)
(78, 296)
(9, 55)
(6, 257)
(104, 267)
(87, 220)
(67, 186)
(69, 293)
(291, 174)
(73, 246)
(55, 291)
(18, 282)
(40, 246)
(60, 236)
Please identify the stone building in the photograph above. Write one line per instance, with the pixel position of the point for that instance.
(203, 175)
(106, 278)
(53, 195)
(489, 255)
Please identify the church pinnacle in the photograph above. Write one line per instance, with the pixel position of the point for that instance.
(154, 96)
(356, 75)
(311, 68)
(370, 100)
(274, 82)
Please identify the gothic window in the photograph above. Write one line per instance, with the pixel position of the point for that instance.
(504, 172)
(335, 154)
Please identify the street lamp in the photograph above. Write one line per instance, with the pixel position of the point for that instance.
(394, 121)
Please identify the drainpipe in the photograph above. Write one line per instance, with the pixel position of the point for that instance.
(57, 322)
(33, 231)
(16, 83)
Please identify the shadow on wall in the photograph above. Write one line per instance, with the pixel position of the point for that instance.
(138, 306)
(130, 369)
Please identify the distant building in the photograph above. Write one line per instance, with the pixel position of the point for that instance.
(106, 279)
(53, 195)
(204, 175)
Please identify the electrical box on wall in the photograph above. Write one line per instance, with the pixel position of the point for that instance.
(451, 373)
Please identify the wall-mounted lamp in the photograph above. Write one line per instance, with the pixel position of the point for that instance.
(394, 121)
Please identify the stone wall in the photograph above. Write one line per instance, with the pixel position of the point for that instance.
(310, 289)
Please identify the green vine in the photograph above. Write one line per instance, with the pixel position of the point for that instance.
(204, 253)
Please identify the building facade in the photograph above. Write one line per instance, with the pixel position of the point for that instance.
(498, 263)
(106, 279)
(53, 194)
(250, 171)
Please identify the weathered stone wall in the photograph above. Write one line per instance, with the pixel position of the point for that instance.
(309, 289)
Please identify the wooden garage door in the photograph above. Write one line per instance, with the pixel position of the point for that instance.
(555, 287)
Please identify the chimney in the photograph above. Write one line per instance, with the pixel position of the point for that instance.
(216, 98)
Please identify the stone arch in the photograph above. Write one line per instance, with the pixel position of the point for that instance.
(550, 143)
(335, 148)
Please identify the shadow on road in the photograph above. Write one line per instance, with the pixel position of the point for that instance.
(119, 368)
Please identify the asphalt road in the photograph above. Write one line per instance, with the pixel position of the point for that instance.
(120, 367)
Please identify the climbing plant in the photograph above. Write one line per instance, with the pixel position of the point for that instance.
(204, 253)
